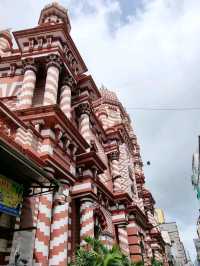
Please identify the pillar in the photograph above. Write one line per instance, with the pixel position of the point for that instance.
(134, 242)
(28, 85)
(84, 122)
(59, 228)
(65, 97)
(123, 239)
(51, 86)
(86, 219)
(43, 230)
(114, 158)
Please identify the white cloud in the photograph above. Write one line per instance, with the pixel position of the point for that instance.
(153, 60)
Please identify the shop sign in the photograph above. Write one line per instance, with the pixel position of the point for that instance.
(10, 196)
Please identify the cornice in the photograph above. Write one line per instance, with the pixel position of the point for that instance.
(49, 28)
(53, 115)
(91, 159)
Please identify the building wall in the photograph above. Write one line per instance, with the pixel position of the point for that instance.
(178, 250)
(159, 214)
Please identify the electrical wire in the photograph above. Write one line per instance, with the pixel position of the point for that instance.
(164, 108)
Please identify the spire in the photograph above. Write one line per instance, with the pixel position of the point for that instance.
(54, 13)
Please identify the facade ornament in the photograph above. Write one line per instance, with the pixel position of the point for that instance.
(114, 156)
(54, 60)
(12, 69)
(83, 108)
(29, 64)
(68, 81)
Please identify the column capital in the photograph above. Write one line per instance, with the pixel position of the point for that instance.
(83, 108)
(114, 156)
(86, 199)
(54, 60)
(29, 64)
(68, 81)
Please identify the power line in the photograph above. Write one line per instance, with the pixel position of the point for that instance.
(164, 108)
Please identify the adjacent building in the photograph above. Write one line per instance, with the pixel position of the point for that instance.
(159, 215)
(177, 247)
(70, 160)
(196, 184)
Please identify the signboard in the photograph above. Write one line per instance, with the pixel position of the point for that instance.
(10, 196)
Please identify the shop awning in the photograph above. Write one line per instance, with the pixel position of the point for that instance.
(20, 168)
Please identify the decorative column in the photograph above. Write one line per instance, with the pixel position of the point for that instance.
(84, 122)
(86, 218)
(123, 239)
(28, 86)
(51, 86)
(43, 230)
(134, 241)
(114, 158)
(65, 97)
(59, 228)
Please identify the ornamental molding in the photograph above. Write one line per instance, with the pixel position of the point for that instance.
(83, 108)
(68, 81)
(29, 64)
(54, 60)
(114, 156)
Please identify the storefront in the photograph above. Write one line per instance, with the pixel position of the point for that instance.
(11, 196)
(17, 175)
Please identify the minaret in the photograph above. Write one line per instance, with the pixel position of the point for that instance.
(54, 14)
(5, 42)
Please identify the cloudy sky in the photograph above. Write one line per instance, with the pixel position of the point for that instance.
(148, 51)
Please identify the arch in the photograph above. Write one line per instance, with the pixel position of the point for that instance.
(98, 214)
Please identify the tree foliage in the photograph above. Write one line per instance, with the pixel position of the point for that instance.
(94, 253)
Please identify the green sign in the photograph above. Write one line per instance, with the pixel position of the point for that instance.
(10, 196)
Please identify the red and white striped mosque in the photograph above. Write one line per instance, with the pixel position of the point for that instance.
(70, 163)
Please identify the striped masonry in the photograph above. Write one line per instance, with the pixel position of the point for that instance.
(85, 127)
(42, 236)
(69, 245)
(114, 118)
(107, 235)
(10, 87)
(123, 240)
(65, 100)
(86, 219)
(51, 86)
(28, 86)
(35, 210)
(26, 138)
(4, 44)
(102, 115)
(125, 164)
(59, 229)
(107, 240)
(116, 175)
(134, 241)
(152, 219)
(139, 203)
